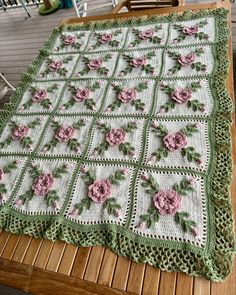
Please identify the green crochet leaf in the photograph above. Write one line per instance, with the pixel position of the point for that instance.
(58, 172)
(190, 129)
(85, 204)
(151, 217)
(183, 188)
(150, 185)
(117, 177)
(89, 177)
(27, 197)
(51, 197)
(186, 224)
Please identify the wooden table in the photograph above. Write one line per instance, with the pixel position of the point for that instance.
(44, 267)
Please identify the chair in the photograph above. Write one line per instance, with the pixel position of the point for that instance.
(82, 7)
(5, 86)
(133, 5)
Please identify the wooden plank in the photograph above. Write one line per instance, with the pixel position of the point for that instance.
(10, 246)
(136, 275)
(36, 44)
(94, 263)
(15, 77)
(42, 25)
(80, 263)
(18, 63)
(55, 256)
(121, 274)
(11, 39)
(37, 21)
(32, 251)
(21, 248)
(44, 253)
(26, 58)
(151, 281)
(17, 32)
(184, 284)
(167, 283)
(4, 236)
(10, 70)
(107, 268)
(67, 260)
(43, 282)
(201, 286)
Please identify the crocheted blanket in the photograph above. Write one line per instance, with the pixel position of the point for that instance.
(119, 135)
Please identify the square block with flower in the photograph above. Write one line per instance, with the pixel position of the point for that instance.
(10, 169)
(178, 143)
(188, 61)
(139, 63)
(192, 32)
(65, 136)
(41, 97)
(70, 42)
(164, 207)
(22, 134)
(129, 97)
(117, 139)
(147, 36)
(104, 195)
(102, 40)
(57, 67)
(83, 96)
(183, 97)
(43, 186)
(96, 65)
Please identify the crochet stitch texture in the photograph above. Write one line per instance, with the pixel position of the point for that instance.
(119, 135)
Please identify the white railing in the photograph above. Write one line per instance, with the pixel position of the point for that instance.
(5, 4)
(83, 7)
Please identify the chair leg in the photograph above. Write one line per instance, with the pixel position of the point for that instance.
(76, 8)
(119, 6)
(7, 83)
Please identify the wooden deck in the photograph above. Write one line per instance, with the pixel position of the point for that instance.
(83, 271)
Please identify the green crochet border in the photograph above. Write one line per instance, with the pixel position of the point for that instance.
(215, 261)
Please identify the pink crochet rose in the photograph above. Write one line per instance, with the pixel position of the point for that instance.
(106, 37)
(95, 63)
(115, 136)
(168, 202)
(55, 65)
(99, 190)
(39, 95)
(147, 34)
(42, 184)
(181, 95)
(138, 62)
(20, 132)
(186, 60)
(81, 94)
(69, 39)
(190, 30)
(127, 95)
(175, 141)
(2, 174)
(64, 133)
